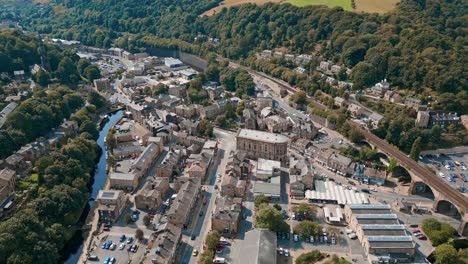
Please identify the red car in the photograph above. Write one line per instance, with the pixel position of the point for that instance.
(416, 231)
(150, 215)
(463, 179)
(220, 246)
(422, 237)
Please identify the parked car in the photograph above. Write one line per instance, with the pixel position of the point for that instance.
(223, 241)
(312, 239)
(195, 253)
(280, 251)
(108, 244)
(422, 237)
(112, 246)
(333, 240)
(129, 240)
(151, 215)
(296, 238)
(112, 260)
(106, 228)
(135, 248)
(220, 246)
(193, 237)
(286, 253)
(122, 238)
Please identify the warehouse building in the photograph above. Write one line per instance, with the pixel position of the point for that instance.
(380, 233)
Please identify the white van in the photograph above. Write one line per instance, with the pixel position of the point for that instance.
(219, 260)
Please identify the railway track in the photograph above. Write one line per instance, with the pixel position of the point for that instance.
(432, 180)
(427, 176)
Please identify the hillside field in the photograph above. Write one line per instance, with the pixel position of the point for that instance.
(373, 6)
(229, 3)
(366, 6)
(346, 4)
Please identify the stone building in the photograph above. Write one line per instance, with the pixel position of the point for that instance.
(111, 204)
(151, 195)
(226, 216)
(259, 144)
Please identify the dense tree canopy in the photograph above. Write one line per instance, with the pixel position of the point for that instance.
(38, 115)
(19, 51)
(437, 231)
(269, 217)
(37, 232)
(420, 44)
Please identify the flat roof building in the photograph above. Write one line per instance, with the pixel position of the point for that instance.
(258, 247)
(380, 232)
(267, 168)
(173, 62)
(270, 190)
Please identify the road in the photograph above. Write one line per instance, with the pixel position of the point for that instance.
(202, 224)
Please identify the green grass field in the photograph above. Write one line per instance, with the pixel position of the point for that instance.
(345, 4)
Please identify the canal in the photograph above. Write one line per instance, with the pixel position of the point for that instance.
(75, 248)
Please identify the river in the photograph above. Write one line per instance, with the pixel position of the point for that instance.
(75, 247)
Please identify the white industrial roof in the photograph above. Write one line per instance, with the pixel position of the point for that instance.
(327, 190)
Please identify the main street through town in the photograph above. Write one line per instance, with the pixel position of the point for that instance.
(202, 224)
